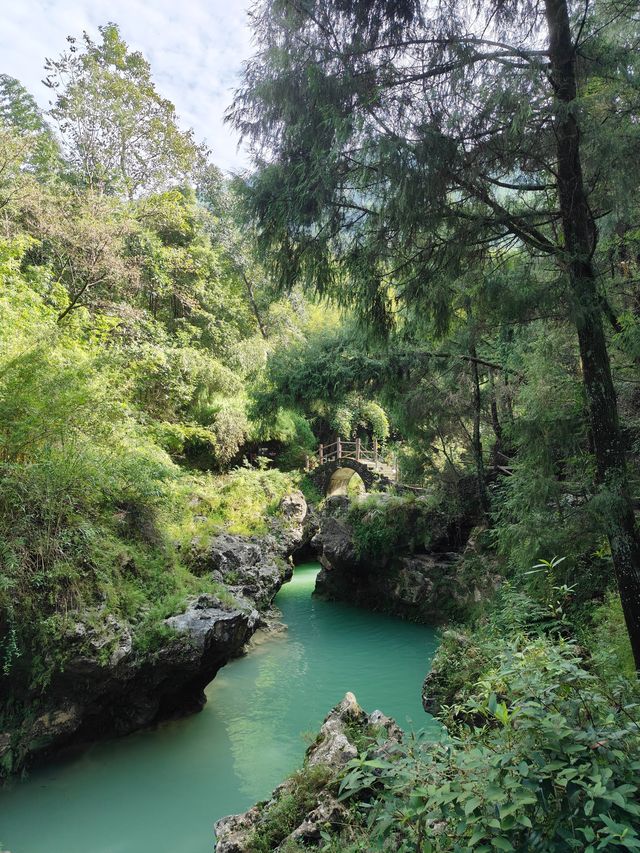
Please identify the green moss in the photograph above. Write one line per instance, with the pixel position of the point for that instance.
(289, 809)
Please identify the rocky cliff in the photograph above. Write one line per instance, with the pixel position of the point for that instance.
(110, 685)
(433, 584)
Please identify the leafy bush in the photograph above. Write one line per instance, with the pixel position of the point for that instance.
(383, 525)
(607, 639)
(357, 414)
(283, 816)
(239, 502)
(551, 762)
(195, 445)
(230, 427)
(292, 430)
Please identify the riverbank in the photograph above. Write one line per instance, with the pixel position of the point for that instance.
(540, 751)
(108, 671)
(169, 785)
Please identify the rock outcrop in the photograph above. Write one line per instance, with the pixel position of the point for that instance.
(335, 547)
(319, 809)
(109, 688)
(249, 568)
(433, 586)
(110, 684)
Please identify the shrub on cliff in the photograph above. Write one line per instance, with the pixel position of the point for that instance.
(546, 758)
(384, 525)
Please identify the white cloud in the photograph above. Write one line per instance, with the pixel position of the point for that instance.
(196, 49)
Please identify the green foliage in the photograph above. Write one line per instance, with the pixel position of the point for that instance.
(542, 507)
(241, 502)
(285, 814)
(404, 168)
(118, 133)
(606, 637)
(20, 112)
(121, 333)
(550, 762)
(293, 432)
(465, 654)
(323, 377)
(384, 525)
(310, 491)
(358, 414)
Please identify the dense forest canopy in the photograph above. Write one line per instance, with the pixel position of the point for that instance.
(418, 162)
(435, 252)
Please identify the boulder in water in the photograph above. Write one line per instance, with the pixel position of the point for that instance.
(333, 748)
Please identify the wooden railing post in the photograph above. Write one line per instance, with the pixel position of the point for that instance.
(375, 453)
(339, 446)
(357, 449)
(396, 468)
(321, 453)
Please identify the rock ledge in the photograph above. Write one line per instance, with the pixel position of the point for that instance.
(330, 752)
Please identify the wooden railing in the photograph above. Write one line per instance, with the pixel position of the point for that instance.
(371, 457)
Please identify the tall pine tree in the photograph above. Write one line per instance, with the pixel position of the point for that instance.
(399, 142)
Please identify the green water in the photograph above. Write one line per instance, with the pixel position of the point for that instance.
(161, 791)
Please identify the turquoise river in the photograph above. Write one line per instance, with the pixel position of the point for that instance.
(160, 791)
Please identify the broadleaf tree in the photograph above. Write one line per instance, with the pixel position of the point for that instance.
(118, 133)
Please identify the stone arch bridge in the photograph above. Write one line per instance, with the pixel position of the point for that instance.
(332, 468)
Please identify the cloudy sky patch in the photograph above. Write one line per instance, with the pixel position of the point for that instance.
(196, 49)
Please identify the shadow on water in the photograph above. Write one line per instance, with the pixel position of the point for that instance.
(161, 791)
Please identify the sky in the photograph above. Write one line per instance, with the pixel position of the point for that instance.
(195, 47)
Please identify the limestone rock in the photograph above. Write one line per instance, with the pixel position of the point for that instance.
(433, 586)
(294, 527)
(246, 566)
(293, 507)
(328, 813)
(232, 831)
(335, 547)
(107, 689)
(206, 623)
(381, 721)
(61, 721)
(332, 750)
(100, 639)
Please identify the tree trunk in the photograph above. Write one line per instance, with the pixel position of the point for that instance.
(498, 453)
(580, 240)
(254, 305)
(476, 440)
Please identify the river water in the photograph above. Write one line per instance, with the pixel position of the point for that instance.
(161, 791)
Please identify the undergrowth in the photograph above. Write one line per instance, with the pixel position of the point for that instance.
(283, 816)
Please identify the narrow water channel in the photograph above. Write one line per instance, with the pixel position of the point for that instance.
(161, 791)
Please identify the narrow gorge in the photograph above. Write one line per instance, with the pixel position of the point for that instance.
(320, 426)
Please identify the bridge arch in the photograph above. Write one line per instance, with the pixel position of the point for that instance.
(332, 478)
(343, 480)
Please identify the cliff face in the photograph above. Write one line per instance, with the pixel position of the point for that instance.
(433, 585)
(109, 685)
